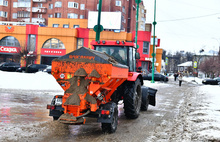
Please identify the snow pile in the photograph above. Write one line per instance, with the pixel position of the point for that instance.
(28, 81)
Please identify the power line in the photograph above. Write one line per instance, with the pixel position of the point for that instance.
(189, 18)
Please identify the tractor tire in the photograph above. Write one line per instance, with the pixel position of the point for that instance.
(111, 127)
(132, 99)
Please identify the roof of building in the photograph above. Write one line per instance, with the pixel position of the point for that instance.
(186, 64)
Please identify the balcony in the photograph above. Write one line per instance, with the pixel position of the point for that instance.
(37, 10)
(39, 0)
(34, 20)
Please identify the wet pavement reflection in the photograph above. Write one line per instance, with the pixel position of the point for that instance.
(23, 108)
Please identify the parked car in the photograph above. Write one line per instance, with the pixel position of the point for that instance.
(48, 69)
(215, 81)
(9, 66)
(32, 68)
(157, 77)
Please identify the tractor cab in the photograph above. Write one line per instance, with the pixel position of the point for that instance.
(123, 52)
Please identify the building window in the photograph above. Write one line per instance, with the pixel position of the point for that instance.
(50, 6)
(40, 5)
(58, 4)
(24, 3)
(31, 42)
(3, 14)
(57, 15)
(50, 15)
(39, 15)
(73, 5)
(117, 3)
(54, 44)
(142, 10)
(81, 16)
(82, 6)
(23, 14)
(55, 25)
(75, 26)
(14, 16)
(72, 15)
(9, 41)
(123, 9)
(146, 47)
(80, 43)
(97, 6)
(65, 26)
(4, 2)
(15, 4)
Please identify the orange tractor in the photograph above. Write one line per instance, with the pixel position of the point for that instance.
(95, 80)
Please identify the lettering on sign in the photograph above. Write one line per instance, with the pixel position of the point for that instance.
(55, 52)
(7, 49)
(81, 57)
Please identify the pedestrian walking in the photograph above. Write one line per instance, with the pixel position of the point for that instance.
(175, 76)
(180, 78)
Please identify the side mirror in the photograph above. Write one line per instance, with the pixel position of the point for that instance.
(137, 55)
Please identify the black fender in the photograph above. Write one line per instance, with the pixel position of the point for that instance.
(149, 94)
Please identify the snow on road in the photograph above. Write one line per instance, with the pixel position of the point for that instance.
(28, 81)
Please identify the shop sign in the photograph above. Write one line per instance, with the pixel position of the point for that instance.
(55, 52)
(8, 49)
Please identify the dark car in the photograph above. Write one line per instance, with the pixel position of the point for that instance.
(9, 66)
(48, 69)
(215, 81)
(32, 68)
(157, 77)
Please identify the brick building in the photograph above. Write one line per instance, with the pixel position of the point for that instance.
(38, 11)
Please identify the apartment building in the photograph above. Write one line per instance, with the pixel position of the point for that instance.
(38, 11)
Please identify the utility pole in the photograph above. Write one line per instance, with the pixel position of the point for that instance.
(154, 54)
(137, 14)
(98, 28)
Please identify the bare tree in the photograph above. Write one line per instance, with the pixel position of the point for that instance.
(28, 56)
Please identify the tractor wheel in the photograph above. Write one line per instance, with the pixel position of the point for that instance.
(111, 127)
(132, 99)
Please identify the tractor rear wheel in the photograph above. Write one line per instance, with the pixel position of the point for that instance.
(111, 127)
(132, 99)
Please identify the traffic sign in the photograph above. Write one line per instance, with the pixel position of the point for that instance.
(195, 64)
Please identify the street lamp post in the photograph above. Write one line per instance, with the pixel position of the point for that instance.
(154, 54)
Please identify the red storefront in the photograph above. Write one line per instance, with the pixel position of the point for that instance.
(9, 54)
(47, 55)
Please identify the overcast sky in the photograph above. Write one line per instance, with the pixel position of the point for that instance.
(186, 25)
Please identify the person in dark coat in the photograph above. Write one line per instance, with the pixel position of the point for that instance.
(175, 76)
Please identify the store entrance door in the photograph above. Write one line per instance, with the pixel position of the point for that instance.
(47, 60)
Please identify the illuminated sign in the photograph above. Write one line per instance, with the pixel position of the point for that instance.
(56, 52)
(8, 49)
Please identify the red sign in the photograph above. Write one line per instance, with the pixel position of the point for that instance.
(7, 49)
(55, 52)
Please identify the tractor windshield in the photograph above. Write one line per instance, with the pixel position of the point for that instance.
(120, 53)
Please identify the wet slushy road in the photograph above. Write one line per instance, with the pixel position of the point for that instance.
(24, 117)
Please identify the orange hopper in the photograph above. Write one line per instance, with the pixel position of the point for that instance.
(88, 78)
